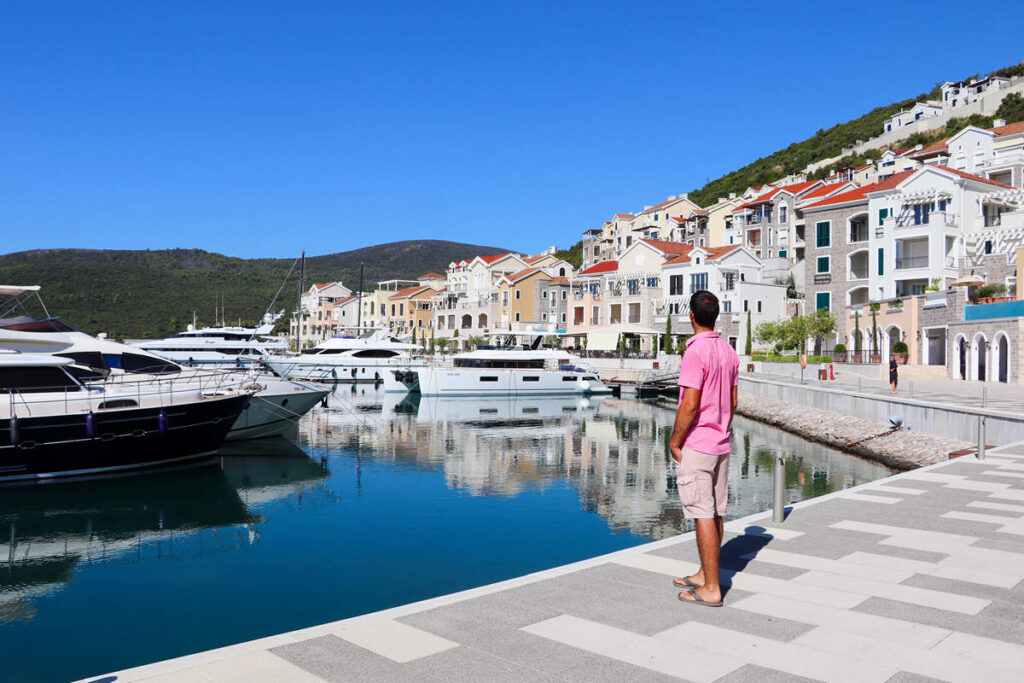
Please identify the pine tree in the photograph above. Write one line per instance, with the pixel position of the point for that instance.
(747, 346)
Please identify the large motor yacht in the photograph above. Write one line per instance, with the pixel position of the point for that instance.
(276, 405)
(53, 425)
(508, 370)
(368, 358)
(216, 347)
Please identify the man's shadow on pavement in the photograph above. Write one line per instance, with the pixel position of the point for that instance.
(737, 553)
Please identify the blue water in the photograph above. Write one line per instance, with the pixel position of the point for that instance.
(376, 502)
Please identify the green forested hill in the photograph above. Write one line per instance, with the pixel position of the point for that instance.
(153, 293)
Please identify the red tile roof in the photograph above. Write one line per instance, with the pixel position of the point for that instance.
(971, 176)
(1010, 129)
(522, 274)
(409, 291)
(623, 215)
(825, 190)
(602, 267)
(667, 247)
(558, 280)
(535, 258)
(713, 253)
(492, 259)
(860, 193)
(794, 189)
(932, 148)
(431, 276)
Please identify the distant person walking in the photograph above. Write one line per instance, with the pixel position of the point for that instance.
(700, 442)
(894, 375)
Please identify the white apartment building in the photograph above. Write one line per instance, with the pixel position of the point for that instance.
(963, 93)
(920, 110)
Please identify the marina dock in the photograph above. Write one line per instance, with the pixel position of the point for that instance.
(917, 575)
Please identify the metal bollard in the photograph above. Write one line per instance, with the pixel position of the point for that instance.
(779, 503)
(859, 381)
(984, 397)
(910, 390)
(981, 436)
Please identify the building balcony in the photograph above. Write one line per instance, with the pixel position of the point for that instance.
(1007, 159)
(945, 218)
(857, 274)
(911, 262)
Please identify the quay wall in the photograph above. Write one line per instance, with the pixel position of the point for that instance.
(951, 422)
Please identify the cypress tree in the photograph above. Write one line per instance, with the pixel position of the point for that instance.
(668, 333)
(747, 346)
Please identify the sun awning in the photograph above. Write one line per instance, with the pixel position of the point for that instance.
(15, 290)
(602, 341)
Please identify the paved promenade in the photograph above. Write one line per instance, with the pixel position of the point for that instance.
(917, 577)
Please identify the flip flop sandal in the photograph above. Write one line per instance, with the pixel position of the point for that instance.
(697, 600)
(685, 583)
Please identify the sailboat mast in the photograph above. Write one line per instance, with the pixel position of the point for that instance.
(359, 304)
(302, 288)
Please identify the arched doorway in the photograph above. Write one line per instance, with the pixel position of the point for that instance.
(979, 361)
(482, 321)
(892, 335)
(1001, 357)
(467, 321)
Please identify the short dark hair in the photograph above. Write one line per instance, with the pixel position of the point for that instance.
(704, 306)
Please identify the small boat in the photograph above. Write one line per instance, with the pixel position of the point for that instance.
(367, 358)
(52, 425)
(508, 371)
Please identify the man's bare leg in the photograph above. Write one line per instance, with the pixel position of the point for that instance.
(698, 578)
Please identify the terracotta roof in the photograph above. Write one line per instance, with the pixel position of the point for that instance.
(623, 215)
(1010, 129)
(431, 276)
(825, 190)
(901, 152)
(535, 258)
(667, 247)
(860, 193)
(971, 176)
(664, 203)
(602, 267)
(558, 280)
(932, 148)
(713, 253)
(522, 274)
(345, 300)
(678, 219)
(319, 285)
(407, 292)
(492, 259)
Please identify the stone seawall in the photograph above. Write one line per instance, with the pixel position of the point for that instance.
(901, 449)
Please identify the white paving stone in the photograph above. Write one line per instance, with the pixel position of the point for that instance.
(1005, 507)
(748, 528)
(889, 488)
(632, 648)
(995, 652)
(925, 662)
(893, 630)
(1012, 466)
(866, 498)
(800, 561)
(1007, 525)
(918, 539)
(912, 595)
(392, 639)
(772, 654)
(749, 582)
(1010, 475)
(888, 562)
(255, 667)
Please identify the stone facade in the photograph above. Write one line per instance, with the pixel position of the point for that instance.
(839, 281)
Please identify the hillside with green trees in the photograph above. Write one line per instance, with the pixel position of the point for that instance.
(154, 293)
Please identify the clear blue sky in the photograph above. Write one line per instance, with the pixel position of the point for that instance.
(259, 129)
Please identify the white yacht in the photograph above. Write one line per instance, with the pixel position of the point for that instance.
(276, 404)
(218, 347)
(368, 358)
(511, 371)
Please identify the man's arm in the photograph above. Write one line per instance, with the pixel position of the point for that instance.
(684, 418)
(735, 401)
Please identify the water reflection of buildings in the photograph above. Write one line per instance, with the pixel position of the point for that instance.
(614, 451)
(49, 531)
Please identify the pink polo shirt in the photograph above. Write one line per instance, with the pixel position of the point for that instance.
(712, 366)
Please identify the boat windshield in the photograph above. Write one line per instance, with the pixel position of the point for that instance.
(499, 363)
(26, 324)
(31, 380)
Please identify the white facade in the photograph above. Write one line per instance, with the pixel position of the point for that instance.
(920, 110)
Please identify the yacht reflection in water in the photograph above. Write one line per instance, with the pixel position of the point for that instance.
(46, 532)
(613, 451)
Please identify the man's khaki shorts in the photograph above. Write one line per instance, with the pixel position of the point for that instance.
(703, 482)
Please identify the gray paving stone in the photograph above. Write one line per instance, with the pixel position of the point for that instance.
(1007, 630)
(334, 659)
(908, 677)
(468, 664)
(752, 672)
(605, 669)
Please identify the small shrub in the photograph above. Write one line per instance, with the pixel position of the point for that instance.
(819, 359)
(840, 348)
(991, 290)
(900, 347)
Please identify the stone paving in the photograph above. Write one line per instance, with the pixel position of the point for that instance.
(916, 577)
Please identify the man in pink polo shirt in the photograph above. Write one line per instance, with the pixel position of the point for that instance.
(700, 442)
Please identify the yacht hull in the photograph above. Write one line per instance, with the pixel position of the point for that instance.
(41, 448)
(341, 371)
(272, 411)
(493, 382)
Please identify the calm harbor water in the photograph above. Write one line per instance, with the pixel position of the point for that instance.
(379, 501)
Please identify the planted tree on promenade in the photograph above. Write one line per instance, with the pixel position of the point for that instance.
(820, 325)
(667, 345)
(414, 335)
(856, 333)
(747, 346)
(874, 328)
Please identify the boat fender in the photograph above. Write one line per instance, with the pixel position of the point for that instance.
(15, 431)
(353, 372)
(161, 421)
(585, 385)
(90, 425)
(334, 373)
